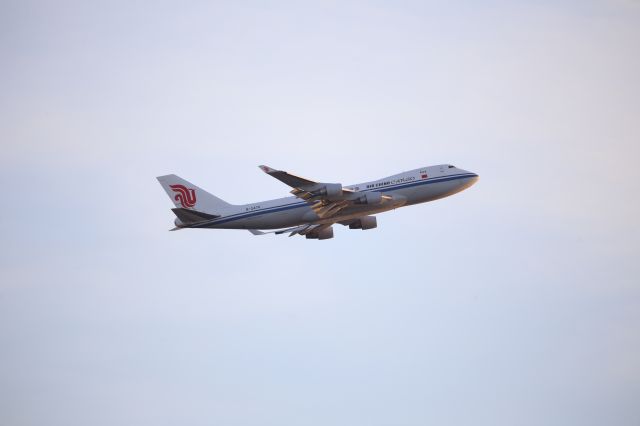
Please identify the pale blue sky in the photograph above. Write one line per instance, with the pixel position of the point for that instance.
(515, 302)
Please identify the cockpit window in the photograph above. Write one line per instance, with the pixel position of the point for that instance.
(451, 167)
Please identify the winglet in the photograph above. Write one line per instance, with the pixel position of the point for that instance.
(267, 169)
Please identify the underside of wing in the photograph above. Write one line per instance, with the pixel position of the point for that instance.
(319, 231)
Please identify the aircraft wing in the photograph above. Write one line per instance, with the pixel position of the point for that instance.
(288, 178)
(326, 199)
(296, 230)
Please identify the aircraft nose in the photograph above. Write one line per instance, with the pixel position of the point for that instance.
(469, 180)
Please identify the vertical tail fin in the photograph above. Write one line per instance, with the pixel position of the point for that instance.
(186, 195)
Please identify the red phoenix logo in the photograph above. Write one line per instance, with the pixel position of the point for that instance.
(185, 196)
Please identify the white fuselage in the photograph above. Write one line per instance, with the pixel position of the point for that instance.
(407, 188)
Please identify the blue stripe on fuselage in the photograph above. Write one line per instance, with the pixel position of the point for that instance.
(244, 215)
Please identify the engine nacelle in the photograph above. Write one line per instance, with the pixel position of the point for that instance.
(364, 223)
(370, 198)
(323, 234)
(332, 191)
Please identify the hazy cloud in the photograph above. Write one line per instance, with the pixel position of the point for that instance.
(513, 302)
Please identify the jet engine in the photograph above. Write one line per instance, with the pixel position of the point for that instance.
(364, 223)
(370, 198)
(332, 191)
(323, 234)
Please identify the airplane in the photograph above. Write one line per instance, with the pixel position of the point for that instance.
(315, 206)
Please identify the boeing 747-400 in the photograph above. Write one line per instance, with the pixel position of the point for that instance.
(315, 206)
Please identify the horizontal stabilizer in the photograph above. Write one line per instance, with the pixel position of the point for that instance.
(192, 216)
